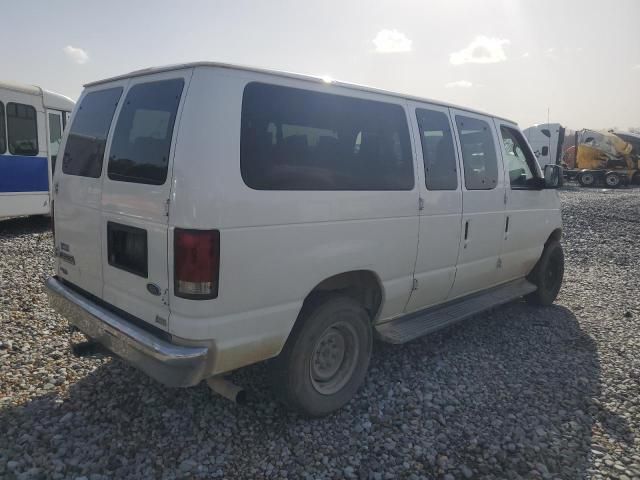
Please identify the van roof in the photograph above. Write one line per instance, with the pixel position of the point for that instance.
(298, 76)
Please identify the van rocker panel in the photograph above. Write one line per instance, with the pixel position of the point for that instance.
(170, 364)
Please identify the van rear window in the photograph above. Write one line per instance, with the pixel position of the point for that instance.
(294, 139)
(88, 134)
(142, 138)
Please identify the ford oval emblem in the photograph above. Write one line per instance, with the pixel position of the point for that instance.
(153, 289)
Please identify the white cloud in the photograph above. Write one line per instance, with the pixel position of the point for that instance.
(76, 54)
(481, 50)
(392, 41)
(526, 55)
(636, 67)
(459, 84)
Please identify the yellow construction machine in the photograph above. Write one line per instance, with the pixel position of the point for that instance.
(610, 158)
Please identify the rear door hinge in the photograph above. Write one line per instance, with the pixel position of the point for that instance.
(414, 287)
(420, 203)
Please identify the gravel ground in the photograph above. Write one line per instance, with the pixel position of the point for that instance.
(519, 392)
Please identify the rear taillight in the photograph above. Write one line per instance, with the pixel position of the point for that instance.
(196, 263)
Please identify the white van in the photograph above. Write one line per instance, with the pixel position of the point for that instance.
(31, 124)
(210, 216)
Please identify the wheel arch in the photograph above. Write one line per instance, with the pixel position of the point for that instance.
(364, 286)
(555, 236)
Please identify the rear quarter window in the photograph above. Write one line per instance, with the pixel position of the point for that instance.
(142, 138)
(88, 134)
(295, 139)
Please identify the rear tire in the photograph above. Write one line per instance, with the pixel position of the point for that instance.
(612, 180)
(547, 275)
(586, 179)
(326, 357)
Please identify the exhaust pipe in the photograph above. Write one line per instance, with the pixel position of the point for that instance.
(228, 390)
(87, 349)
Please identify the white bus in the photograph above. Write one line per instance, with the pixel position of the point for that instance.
(31, 125)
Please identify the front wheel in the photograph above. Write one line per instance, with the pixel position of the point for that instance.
(326, 357)
(547, 275)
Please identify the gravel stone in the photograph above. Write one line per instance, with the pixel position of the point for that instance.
(517, 392)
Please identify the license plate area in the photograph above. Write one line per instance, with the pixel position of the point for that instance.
(127, 249)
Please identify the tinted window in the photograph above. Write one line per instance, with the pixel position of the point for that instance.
(142, 138)
(478, 154)
(437, 150)
(22, 129)
(546, 132)
(519, 160)
(55, 129)
(294, 139)
(3, 138)
(85, 146)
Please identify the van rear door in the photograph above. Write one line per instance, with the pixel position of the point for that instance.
(77, 188)
(135, 196)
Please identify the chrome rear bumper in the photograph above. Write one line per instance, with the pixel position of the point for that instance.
(170, 364)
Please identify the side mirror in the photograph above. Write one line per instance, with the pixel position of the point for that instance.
(552, 176)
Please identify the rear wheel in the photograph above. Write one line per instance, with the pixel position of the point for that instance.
(586, 179)
(612, 180)
(547, 275)
(326, 357)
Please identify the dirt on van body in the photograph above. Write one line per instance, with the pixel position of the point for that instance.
(516, 392)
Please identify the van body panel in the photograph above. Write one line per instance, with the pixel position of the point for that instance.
(134, 206)
(77, 196)
(302, 233)
(533, 214)
(440, 218)
(483, 219)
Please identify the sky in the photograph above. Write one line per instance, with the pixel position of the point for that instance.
(579, 60)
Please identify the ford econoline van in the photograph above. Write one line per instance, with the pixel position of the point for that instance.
(210, 216)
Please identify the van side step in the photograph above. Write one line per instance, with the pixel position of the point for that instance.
(417, 324)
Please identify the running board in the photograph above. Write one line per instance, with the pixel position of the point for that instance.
(417, 324)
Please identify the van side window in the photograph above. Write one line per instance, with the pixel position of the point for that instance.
(519, 160)
(3, 137)
(142, 138)
(22, 129)
(437, 150)
(294, 139)
(478, 153)
(88, 134)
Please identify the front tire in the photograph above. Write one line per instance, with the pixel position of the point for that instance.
(547, 275)
(326, 357)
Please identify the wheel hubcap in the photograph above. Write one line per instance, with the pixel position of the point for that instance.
(334, 358)
(612, 181)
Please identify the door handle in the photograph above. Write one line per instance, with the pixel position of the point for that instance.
(506, 225)
(466, 230)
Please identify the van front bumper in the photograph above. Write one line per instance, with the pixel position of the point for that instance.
(170, 364)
